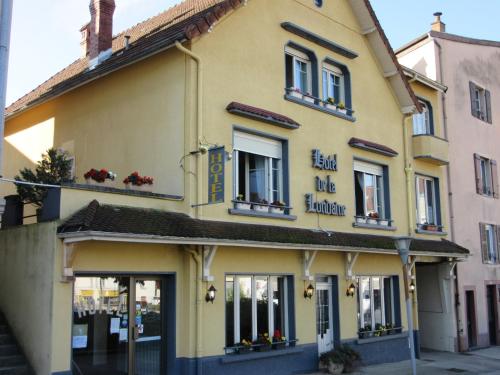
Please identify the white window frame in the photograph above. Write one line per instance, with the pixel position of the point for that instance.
(422, 121)
(265, 147)
(376, 171)
(303, 58)
(426, 194)
(491, 243)
(361, 322)
(236, 306)
(486, 176)
(331, 72)
(479, 101)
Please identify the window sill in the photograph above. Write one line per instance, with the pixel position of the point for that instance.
(255, 356)
(375, 226)
(371, 340)
(267, 215)
(319, 108)
(431, 232)
(130, 192)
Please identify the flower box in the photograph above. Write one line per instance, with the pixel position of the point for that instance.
(277, 210)
(262, 348)
(360, 219)
(372, 221)
(243, 349)
(384, 222)
(430, 227)
(145, 187)
(242, 206)
(91, 182)
(279, 345)
(331, 107)
(260, 208)
(295, 94)
(342, 110)
(309, 99)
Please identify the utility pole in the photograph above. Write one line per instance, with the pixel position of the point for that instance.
(5, 25)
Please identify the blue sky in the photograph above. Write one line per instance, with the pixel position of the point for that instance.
(45, 33)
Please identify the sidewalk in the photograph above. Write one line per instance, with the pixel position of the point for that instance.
(484, 361)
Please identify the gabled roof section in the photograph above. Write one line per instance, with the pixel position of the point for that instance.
(414, 75)
(185, 21)
(106, 221)
(382, 49)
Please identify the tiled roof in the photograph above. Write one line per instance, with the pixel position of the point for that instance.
(184, 21)
(372, 146)
(261, 114)
(140, 221)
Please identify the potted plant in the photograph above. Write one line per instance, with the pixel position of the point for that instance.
(244, 346)
(279, 342)
(53, 169)
(351, 358)
(332, 362)
(309, 98)
(263, 343)
(361, 219)
(365, 332)
(430, 227)
(373, 217)
(99, 177)
(380, 330)
(277, 207)
(389, 329)
(240, 203)
(261, 205)
(341, 108)
(135, 181)
(295, 92)
(330, 103)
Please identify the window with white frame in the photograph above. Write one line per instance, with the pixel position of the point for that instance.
(369, 190)
(258, 168)
(422, 122)
(426, 191)
(376, 302)
(490, 236)
(333, 84)
(255, 305)
(480, 102)
(486, 176)
(298, 71)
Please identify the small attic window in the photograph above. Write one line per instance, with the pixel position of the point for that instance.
(318, 3)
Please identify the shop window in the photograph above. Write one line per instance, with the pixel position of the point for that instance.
(378, 305)
(480, 102)
(259, 172)
(371, 195)
(427, 203)
(490, 242)
(486, 176)
(423, 123)
(256, 307)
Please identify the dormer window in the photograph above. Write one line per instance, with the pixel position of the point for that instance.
(423, 122)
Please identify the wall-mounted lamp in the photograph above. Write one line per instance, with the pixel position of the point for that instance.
(412, 287)
(309, 291)
(210, 296)
(350, 290)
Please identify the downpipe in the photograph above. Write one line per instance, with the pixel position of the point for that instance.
(197, 257)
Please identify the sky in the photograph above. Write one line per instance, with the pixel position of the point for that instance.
(45, 35)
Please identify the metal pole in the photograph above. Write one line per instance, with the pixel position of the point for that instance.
(5, 25)
(409, 317)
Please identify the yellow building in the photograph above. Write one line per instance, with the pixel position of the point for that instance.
(278, 134)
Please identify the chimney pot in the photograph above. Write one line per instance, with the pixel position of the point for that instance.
(437, 25)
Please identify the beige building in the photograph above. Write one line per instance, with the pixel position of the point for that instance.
(470, 68)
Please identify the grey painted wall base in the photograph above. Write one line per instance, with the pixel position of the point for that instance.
(301, 359)
(386, 351)
(63, 373)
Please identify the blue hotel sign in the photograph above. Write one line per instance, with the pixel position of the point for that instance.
(216, 158)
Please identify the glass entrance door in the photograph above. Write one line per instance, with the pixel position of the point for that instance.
(117, 326)
(324, 322)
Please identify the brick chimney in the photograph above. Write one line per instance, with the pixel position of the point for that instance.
(97, 35)
(437, 25)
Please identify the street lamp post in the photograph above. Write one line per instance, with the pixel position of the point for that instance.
(403, 246)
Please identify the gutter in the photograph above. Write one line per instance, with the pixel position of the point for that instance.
(75, 237)
(198, 259)
(199, 124)
(409, 175)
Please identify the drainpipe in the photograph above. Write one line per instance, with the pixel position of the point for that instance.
(5, 26)
(450, 200)
(196, 254)
(409, 174)
(199, 125)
